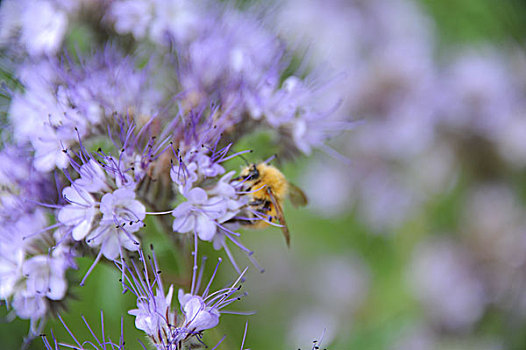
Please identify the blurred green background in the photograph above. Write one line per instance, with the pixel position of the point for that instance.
(297, 285)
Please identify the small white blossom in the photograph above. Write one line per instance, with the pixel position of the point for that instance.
(46, 276)
(122, 215)
(151, 313)
(198, 214)
(198, 316)
(92, 177)
(29, 305)
(10, 270)
(80, 213)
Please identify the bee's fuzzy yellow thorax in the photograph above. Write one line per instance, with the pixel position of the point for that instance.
(274, 179)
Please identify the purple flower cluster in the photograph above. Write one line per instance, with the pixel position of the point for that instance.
(140, 123)
(63, 102)
(32, 276)
(155, 314)
(231, 58)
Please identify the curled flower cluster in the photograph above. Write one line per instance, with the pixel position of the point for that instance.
(155, 314)
(137, 124)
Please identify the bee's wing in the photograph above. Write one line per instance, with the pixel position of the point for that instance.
(281, 218)
(297, 196)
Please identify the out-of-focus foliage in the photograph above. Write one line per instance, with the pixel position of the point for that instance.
(417, 239)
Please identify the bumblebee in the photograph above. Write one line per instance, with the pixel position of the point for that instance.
(267, 188)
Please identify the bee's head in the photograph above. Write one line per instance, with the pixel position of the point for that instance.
(251, 172)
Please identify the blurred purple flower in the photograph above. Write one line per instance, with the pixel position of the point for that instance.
(63, 102)
(444, 279)
(39, 27)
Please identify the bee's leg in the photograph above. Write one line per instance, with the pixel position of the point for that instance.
(265, 209)
(257, 202)
(266, 205)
